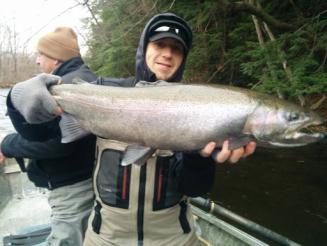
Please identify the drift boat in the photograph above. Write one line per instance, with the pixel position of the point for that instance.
(25, 217)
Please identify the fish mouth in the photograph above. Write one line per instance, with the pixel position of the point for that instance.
(312, 129)
(310, 133)
(316, 133)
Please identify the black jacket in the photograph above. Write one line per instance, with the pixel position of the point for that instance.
(52, 164)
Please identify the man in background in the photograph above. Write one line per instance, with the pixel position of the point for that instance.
(64, 169)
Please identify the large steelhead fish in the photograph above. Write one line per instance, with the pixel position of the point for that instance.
(183, 117)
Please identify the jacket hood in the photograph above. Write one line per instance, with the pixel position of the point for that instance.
(142, 70)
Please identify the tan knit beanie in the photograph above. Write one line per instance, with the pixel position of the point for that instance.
(61, 44)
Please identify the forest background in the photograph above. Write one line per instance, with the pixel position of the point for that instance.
(279, 47)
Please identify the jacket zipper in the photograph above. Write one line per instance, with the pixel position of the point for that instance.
(140, 209)
(124, 185)
(160, 179)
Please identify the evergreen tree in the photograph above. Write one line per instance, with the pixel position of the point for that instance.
(274, 46)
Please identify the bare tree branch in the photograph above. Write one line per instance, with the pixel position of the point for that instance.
(261, 14)
(44, 26)
(86, 3)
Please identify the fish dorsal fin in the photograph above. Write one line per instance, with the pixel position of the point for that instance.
(79, 81)
(156, 83)
(71, 129)
(136, 154)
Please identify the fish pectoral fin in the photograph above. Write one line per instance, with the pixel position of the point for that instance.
(71, 129)
(136, 154)
(238, 142)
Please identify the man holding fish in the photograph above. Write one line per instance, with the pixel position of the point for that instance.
(143, 204)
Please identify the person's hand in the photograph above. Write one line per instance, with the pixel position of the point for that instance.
(33, 100)
(225, 154)
(2, 158)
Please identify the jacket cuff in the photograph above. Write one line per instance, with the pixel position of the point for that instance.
(4, 147)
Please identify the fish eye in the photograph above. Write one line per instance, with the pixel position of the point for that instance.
(292, 116)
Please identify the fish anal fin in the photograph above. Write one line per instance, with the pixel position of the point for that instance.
(136, 154)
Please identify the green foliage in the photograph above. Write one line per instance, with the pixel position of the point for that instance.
(302, 51)
(115, 38)
(225, 48)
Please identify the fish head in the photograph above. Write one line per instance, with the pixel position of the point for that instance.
(284, 124)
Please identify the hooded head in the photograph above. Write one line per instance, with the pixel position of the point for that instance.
(61, 44)
(166, 25)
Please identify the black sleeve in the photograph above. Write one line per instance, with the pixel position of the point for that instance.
(195, 174)
(15, 146)
(33, 132)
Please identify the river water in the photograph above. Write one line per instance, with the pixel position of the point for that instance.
(5, 124)
(284, 190)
